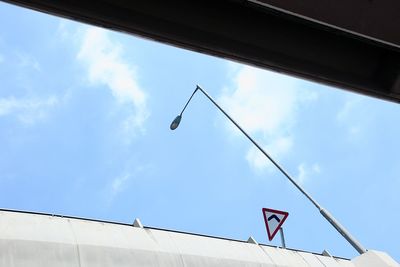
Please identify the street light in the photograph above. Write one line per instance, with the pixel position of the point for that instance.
(175, 123)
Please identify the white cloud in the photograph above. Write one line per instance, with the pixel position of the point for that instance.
(354, 130)
(107, 67)
(349, 106)
(25, 60)
(279, 147)
(316, 168)
(265, 104)
(347, 114)
(305, 172)
(28, 110)
(63, 31)
(118, 182)
(262, 100)
(70, 31)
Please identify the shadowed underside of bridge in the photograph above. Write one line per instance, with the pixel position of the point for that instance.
(353, 45)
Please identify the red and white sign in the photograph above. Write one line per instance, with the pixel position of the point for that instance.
(273, 221)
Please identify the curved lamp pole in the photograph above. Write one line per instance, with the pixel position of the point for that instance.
(324, 212)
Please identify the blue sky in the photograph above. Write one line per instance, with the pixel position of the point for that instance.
(84, 119)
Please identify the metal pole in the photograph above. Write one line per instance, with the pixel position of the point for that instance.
(323, 211)
(261, 149)
(282, 238)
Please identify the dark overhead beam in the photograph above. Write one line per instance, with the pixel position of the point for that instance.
(249, 33)
(376, 20)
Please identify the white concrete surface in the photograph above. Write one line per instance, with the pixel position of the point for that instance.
(42, 240)
(374, 259)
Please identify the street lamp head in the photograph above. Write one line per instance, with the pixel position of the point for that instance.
(175, 122)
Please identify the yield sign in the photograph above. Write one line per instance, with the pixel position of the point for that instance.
(273, 220)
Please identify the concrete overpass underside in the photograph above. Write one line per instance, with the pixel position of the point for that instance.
(354, 45)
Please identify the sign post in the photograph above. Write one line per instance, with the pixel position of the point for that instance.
(274, 220)
(282, 238)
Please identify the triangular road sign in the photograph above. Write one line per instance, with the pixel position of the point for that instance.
(273, 221)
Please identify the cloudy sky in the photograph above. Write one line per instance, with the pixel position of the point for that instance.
(84, 131)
